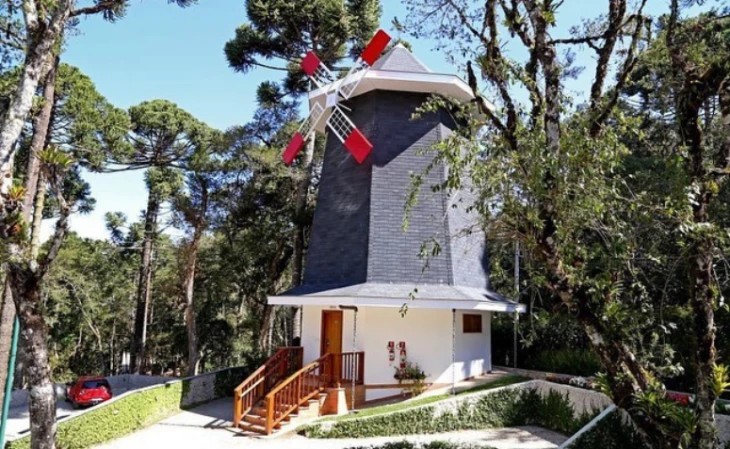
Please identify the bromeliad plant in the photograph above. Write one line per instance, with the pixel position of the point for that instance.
(414, 377)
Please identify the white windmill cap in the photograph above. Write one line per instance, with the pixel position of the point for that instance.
(400, 70)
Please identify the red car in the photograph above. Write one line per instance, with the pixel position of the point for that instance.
(88, 391)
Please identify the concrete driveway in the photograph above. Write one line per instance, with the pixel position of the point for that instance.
(19, 418)
(208, 427)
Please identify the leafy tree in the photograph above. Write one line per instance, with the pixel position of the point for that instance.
(696, 79)
(57, 168)
(38, 36)
(281, 31)
(164, 139)
(193, 207)
(551, 177)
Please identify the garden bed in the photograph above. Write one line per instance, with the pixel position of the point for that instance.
(554, 407)
(417, 402)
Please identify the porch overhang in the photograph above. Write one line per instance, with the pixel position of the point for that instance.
(397, 295)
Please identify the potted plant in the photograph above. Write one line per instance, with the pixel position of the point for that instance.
(413, 377)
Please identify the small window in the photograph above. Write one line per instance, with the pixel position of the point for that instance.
(472, 324)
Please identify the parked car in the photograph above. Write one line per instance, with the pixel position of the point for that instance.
(88, 391)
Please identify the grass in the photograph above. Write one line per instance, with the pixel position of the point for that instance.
(503, 382)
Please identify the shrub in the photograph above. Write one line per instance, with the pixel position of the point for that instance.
(501, 408)
(431, 445)
(132, 412)
(578, 362)
(610, 433)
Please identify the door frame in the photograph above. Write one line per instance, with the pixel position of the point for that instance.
(322, 329)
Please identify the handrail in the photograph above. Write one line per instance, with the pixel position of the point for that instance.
(309, 381)
(255, 387)
(296, 390)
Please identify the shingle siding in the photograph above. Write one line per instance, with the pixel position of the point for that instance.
(338, 246)
(357, 233)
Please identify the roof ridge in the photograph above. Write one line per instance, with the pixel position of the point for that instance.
(400, 59)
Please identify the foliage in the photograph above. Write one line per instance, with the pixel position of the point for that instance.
(612, 432)
(371, 411)
(132, 412)
(502, 408)
(283, 30)
(720, 379)
(431, 445)
(551, 342)
(411, 371)
(618, 227)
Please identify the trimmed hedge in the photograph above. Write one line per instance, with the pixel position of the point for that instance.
(431, 445)
(132, 412)
(502, 408)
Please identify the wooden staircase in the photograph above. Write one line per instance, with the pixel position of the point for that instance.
(255, 420)
(281, 389)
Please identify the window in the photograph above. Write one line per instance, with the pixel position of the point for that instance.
(472, 324)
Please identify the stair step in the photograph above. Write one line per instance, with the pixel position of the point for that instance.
(252, 428)
(260, 421)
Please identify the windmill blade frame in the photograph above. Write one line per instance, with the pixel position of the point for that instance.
(303, 133)
(353, 139)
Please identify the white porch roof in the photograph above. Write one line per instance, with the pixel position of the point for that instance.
(371, 294)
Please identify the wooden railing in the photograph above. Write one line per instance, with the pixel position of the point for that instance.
(302, 386)
(278, 367)
(307, 383)
(349, 366)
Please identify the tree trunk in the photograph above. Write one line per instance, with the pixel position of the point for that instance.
(265, 331)
(41, 126)
(188, 289)
(301, 221)
(26, 287)
(19, 382)
(40, 202)
(703, 300)
(41, 135)
(7, 317)
(42, 37)
(144, 286)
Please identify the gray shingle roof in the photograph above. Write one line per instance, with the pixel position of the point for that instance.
(399, 59)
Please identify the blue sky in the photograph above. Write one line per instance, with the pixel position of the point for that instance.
(162, 51)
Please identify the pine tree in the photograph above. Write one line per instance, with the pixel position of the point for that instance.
(164, 139)
(278, 33)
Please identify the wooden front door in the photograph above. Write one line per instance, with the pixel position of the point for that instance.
(332, 340)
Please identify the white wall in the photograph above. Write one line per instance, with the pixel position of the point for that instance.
(428, 337)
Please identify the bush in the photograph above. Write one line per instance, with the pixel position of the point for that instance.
(132, 412)
(502, 408)
(431, 445)
(610, 433)
(548, 342)
(579, 362)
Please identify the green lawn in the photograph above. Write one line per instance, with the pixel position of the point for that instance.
(503, 382)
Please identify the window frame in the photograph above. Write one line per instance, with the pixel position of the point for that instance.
(472, 323)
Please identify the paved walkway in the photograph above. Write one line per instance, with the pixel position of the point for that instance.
(208, 427)
(19, 418)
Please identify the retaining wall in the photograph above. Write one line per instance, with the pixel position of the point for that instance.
(120, 384)
(139, 408)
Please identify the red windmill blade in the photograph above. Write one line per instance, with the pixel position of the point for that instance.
(367, 59)
(353, 139)
(301, 136)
